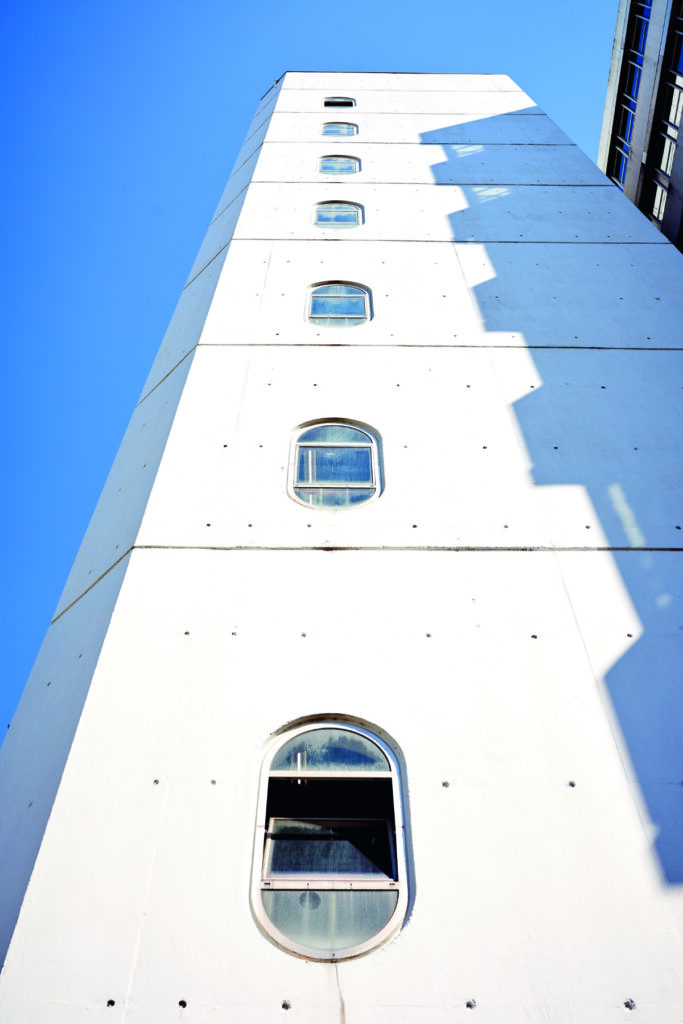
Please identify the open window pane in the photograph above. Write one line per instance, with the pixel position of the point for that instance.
(339, 101)
(358, 849)
(329, 877)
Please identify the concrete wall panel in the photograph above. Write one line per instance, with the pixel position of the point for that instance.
(452, 164)
(339, 81)
(387, 101)
(496, 213)
(506, 718)
(437, 128)
(113, 528)
(603, 296)
(418, 297)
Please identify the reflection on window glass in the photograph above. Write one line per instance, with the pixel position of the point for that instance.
(330, 921)
(639, 34)
(633, 81)
(659, 202)
(619, 166)
(667, 157)
(331, 749)
(305, 846)
(334, 466)
(339, 305)
(339, 165)
(338, 215)
(340, 128)
(674, 105)
(625, 128)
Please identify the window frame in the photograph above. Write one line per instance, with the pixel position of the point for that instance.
(374, 445)
(339, 156)
(357, 207)
(264, 881)
(321, 321)
(339, 135)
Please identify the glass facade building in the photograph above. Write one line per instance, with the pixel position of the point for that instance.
(639, 146)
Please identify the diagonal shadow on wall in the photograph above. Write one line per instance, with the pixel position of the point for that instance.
(596, 295)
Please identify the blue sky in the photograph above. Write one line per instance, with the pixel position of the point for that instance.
(122, 122)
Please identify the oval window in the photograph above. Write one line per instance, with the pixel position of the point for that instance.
(329, 877)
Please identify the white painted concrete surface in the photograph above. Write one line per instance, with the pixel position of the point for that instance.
(509, 610)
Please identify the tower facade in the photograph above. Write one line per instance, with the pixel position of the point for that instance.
(362, 699)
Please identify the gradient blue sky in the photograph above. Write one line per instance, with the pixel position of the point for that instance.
(122, 122)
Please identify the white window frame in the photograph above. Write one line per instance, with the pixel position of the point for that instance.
(339, 156)
(360, 211)
(367, 305)
(375, 461)
(262, 881)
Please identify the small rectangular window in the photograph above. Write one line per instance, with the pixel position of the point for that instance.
(339, 101)
(340, 128)
(338, 215)
(339, 165)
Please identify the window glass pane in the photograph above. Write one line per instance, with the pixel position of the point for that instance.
(339, 128)
(330, 750)
(337, 214)
(329, 920)
(334, 432)
(626, 124)
(667, 157)
(339, 164)
(339, 289)
(339, 101)
(633, 81)
(344, 465)
(659, 202)
(337, 305)
(333, 497)
(323, 847)
(639, 34)
(674, 105)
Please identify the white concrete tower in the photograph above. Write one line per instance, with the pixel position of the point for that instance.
(362, 702)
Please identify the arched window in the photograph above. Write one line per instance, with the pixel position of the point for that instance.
(339, 165)
(340, 128)
(335, 465)
(339, 101)
(329, 874)
(338, 215)
(338, 304)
